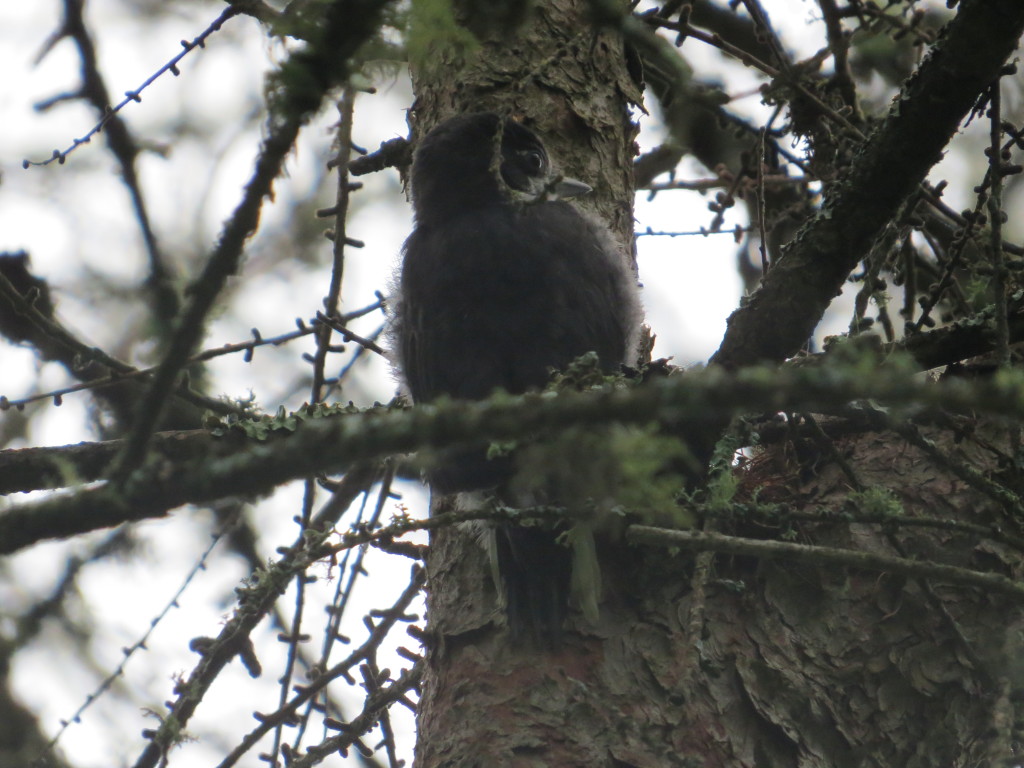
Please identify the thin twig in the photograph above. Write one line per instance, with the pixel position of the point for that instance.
(135, 95)
(700, 541)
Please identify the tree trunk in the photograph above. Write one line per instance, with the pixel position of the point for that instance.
(746, 661)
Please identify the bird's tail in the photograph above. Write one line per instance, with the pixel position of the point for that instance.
(535, 570)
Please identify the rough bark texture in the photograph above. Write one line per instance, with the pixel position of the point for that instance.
(749, 663)
(865, 669)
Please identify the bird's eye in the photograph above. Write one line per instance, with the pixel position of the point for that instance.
(533, 160)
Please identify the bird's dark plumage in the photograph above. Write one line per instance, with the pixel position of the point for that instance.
(501, 283)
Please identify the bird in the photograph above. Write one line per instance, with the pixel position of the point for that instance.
(501, 283)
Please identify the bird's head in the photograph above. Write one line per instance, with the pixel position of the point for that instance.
(482, 159)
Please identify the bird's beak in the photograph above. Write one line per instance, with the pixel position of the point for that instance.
(571, 188)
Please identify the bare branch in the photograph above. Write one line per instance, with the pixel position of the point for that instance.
(777, 320)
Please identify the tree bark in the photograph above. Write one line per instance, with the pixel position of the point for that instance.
(733, 661)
